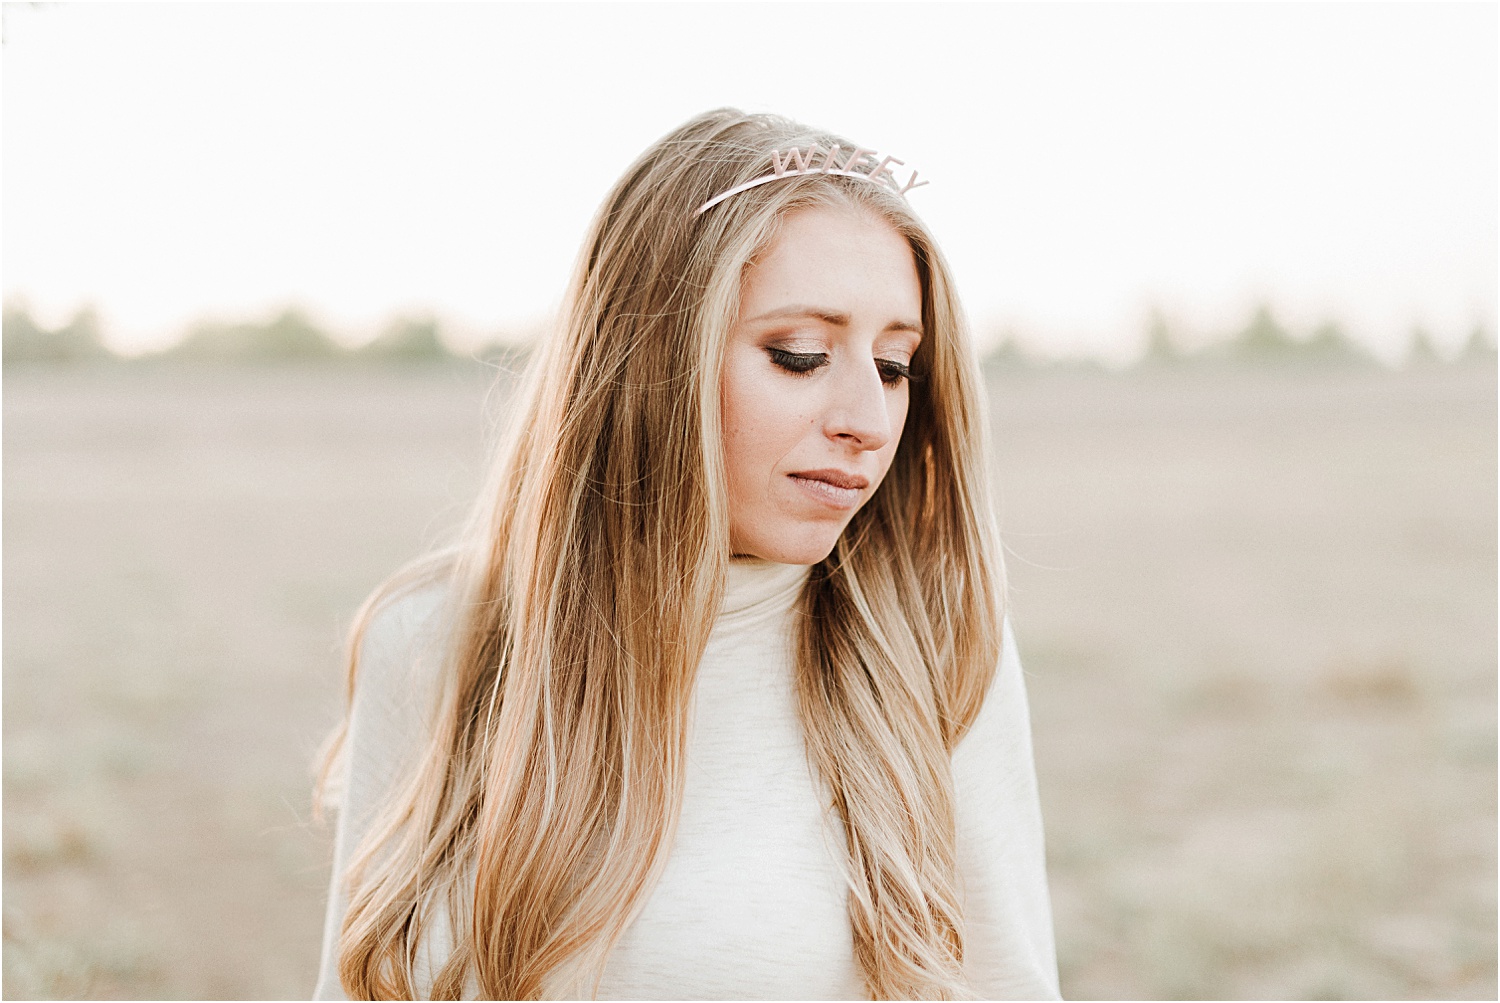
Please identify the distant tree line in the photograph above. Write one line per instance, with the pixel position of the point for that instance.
(291, 336)
(288, 336)
(1262, 341)
(23, 340)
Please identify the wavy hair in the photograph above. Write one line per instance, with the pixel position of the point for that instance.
(586, 582)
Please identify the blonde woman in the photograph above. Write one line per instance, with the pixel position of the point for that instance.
(712, 698)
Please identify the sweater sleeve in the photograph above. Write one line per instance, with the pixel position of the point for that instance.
(1009, 951)
(388, 727)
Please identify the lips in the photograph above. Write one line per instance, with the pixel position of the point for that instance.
(835, 488)
(837, 478)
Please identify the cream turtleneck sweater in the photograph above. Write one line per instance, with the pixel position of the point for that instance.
(751, 903)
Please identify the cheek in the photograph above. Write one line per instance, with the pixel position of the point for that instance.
(761, 421)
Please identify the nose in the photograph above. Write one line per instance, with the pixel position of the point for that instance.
(858, 412)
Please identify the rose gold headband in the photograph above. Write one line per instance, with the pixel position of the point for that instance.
(879, 173)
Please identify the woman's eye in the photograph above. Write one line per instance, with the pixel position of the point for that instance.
(797, 362)
(892, 373)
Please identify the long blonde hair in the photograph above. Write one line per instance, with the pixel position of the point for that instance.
(586, 582)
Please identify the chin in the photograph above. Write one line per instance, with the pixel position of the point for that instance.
(800, 545)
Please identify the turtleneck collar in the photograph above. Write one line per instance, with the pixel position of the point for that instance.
(756, 589)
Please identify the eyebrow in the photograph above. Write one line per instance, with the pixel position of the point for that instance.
(834, 317)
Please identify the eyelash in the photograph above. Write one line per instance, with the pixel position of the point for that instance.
(891, 372)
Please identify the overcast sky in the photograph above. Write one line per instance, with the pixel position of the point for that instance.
(1087, 162)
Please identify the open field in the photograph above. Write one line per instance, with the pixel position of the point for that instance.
(1257, 608)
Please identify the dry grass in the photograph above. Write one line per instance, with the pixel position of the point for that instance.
(1257, 609)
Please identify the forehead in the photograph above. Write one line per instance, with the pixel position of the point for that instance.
(839, 258)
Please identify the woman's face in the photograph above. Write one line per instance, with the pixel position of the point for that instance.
(814, 390)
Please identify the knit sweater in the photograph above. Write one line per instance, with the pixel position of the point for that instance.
(752, 902)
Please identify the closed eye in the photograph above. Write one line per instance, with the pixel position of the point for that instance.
(797, 362)
(893, 372)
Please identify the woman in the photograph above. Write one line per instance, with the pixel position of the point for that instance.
(705, 702)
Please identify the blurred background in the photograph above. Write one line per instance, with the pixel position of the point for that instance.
(269, 270)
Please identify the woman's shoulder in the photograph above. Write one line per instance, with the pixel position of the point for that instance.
(399, 655)
(405, 625)
(1001, 734)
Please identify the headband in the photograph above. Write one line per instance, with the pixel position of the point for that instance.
(879, 173)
